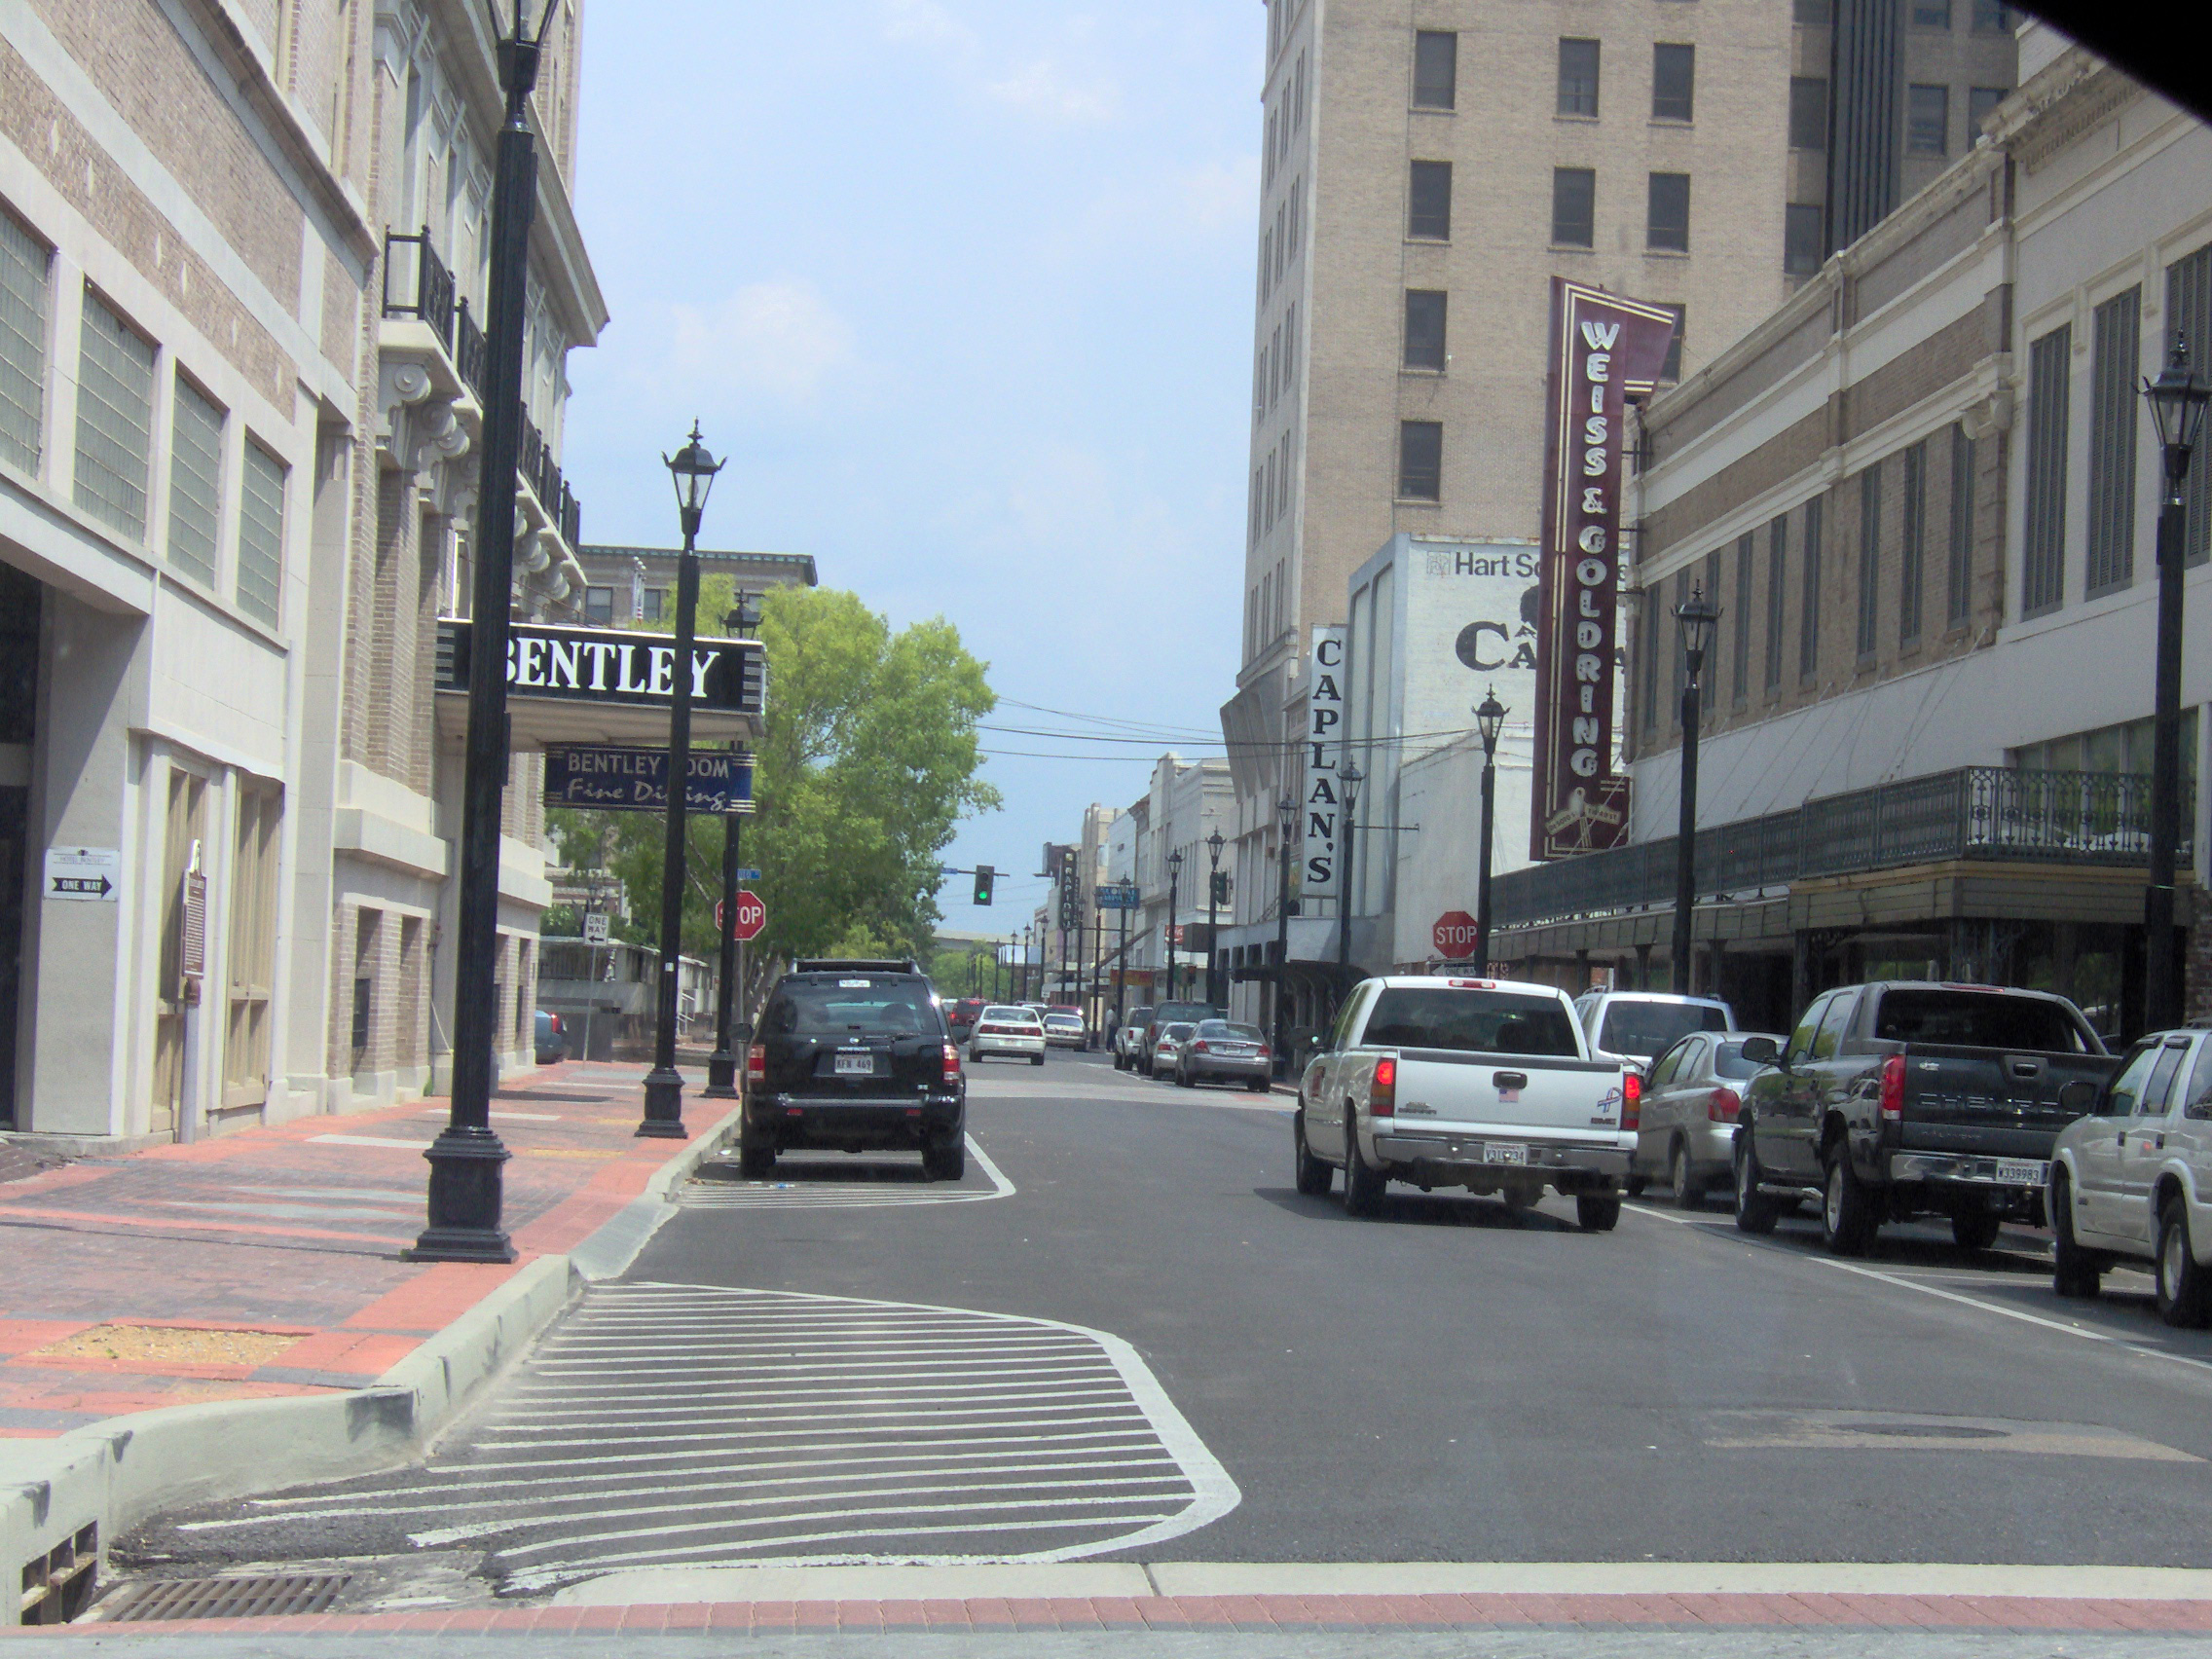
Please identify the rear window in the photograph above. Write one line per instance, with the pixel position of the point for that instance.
(1230, 1031)
(1485, 1022)
(1977, 1019)
(1190, 1011)
(1730, 1062)
(1177, 1031)
(899, 1008)
(1008, 1017)
(1652, 1028)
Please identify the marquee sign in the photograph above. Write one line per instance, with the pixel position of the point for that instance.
(1603, 349)
(636, 780)
(1324, 750)
(611, 666)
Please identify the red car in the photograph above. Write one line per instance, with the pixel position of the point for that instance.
(960, 1013)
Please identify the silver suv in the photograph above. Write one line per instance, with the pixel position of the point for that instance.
(1638, 1026)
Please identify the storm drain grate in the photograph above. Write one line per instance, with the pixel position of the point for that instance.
(236, 1597)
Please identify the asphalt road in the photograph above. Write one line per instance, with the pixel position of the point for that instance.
(1445, 1383)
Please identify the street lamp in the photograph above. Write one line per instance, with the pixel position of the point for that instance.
(467, 1160)
(1490, 720)
(1174, 876)
(1129, 891)
(691, 469)
(1214, 844)
(1286, 823)
(1696, 619)
(721, 1069)
(2177, 399)
(1349, 779)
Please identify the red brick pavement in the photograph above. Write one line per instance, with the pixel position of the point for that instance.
(287, 1232)
(1487, 1611)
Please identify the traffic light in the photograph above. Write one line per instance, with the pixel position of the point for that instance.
(1221, 887)
(984, 876)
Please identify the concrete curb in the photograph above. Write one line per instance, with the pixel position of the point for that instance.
(116, 1474)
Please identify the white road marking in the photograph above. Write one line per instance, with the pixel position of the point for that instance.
(841, 1195)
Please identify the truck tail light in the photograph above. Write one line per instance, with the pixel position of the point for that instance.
(1383, 1092)
(756, 1063)
(1893, 1089)
(951, 1064)
(1631, 1101)
(1723, 1106)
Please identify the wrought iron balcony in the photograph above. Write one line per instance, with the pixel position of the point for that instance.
(469, 350)
(418, 284)
(1976, 812)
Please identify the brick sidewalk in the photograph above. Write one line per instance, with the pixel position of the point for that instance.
(266, 1261)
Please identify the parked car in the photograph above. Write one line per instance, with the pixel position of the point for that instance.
(1220, 1050)
(1009, 1030)
(552, 1038)
(853, 1056)
(1642, 1025)
(1483, 1083)
(1687, 1128)
(2133, 1180)
(960, 1015)
(1126, 1039)
(1169, 1045)
(1159, 1016)
(1902, 1098)
(1063, 1028)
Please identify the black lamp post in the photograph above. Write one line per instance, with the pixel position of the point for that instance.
(721, 1068)
(1696, 619)
(466, 1161)
(1214, 844)
(1350, 781)
(1174, 878)
(1286, 823)
(2177, 399)
(692, 470)
(1122, 953)
(1490, 720)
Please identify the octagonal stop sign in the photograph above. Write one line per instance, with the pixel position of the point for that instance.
(750, 917)
(1453, 934)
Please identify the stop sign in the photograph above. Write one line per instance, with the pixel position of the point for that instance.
(1454, 933)
(752, 915)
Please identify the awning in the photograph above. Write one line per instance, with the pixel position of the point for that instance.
(600, 686)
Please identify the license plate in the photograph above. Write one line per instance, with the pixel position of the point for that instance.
(856, 1065)
(2019, 1172)
(1504, 1152)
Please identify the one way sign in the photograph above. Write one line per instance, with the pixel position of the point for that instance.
(85, 874)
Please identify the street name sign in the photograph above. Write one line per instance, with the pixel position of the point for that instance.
(636, 780)
(85, 875)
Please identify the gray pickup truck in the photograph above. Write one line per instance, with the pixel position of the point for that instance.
(1904, 1098)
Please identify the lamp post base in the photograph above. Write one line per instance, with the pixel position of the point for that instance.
(721, 1076)
(664, 1104)
(466, 1180)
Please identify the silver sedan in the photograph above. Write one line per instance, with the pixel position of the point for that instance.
(1687, 1135)
(1224, 1051)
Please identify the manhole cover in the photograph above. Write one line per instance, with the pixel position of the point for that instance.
(233, 1598)
(1918, 1430)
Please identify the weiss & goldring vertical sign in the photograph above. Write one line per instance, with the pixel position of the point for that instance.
(1603, 350)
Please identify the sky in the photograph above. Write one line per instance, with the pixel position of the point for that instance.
(962, 289)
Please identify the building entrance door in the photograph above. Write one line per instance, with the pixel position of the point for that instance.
(13, 810)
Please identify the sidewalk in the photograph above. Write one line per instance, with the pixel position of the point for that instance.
(266, 1263)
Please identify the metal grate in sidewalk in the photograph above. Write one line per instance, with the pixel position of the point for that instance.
(233, 1597)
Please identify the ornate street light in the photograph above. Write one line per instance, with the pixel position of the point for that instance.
(1490, 720)
(1286, 827)
(1696, 619)
(1174, 877)
(1214, 844)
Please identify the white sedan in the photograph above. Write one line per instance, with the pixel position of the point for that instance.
(1005, 1029)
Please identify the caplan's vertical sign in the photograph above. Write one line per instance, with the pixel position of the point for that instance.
(1603, 351)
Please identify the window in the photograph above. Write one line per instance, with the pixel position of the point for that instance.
(252, 952)
(196, 481)
(2117, 329)
(1267, 149)
(1931, 13)
(1297, 95)
(1927, 121)
(1421, 460)
(1282, 496)
(1712, 652)
(1808, 1027)
(1268, 491)
(1801, 226)
(1740, 658)
(1260, 385)
(1870, 560)
(1424, 329)
(1667, 223)
(1672, 368)
(1990, 16)
(656, 605)
(1578, 77)
(1436, 69)
(1959, 586)
(261, 534)
(1290, 349)
(1808, 610)
(1653, 620)
(1673, 81)
(114, 419)
(1274, 366)
(1429, 215)
(1980, 101)
(1912, 545)
(599, 607)
(1297, 213)
(1776, 573)
(1808, 112)
(1834, 1024)
(2189, 312)
(1258, 505)
(1575, 203)
(24, 265)
(2043, 565)
(1466, 1021)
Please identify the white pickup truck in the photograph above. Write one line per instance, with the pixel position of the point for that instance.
(1481, 1084)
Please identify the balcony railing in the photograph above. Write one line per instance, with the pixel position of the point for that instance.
(542, 473)
(417, 282)
(469, 350)
(1977, 812)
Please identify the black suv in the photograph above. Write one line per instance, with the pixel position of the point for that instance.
(854, 1056)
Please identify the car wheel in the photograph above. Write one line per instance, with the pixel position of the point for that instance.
(1755, 1212)
(1597, 1215)
(1255, 1086)
(1518, 1199)
(1364, 1186)
(2180, 1287)
(1974, 1231)
(1847, 1218)
(757, 1163)
(1635, 1184)
(1689, 1194)
(1185, 1078)
(2076, 1273)
(1313, 1174)
(946, 1162)
(1036, 1059)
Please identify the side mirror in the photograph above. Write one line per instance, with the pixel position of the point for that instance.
(2078, 1096)
(1762, 1050)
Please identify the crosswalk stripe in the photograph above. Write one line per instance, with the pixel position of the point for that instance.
(787, 1192)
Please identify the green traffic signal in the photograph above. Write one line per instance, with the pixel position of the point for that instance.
(984, 876)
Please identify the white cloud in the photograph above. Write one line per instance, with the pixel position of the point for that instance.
(779, 337)
(1043, 88)
(925, 20)
(1040, 86)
